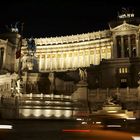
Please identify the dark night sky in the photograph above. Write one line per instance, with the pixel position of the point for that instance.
(45, 18)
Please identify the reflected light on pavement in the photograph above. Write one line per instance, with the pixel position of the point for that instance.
(76, 130)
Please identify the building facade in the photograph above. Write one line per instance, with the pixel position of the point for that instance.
(42, 79)
(111, 57)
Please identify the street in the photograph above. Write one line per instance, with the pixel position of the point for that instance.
(65, 130)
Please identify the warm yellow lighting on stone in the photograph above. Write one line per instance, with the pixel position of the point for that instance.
(68, 113)
(26, 112)
(58, 113)
(48, 113)
(37, 112)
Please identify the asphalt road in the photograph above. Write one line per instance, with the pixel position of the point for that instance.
(66, 130)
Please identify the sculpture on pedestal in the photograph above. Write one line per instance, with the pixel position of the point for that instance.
(18, 88)
(109, 101)
(51, 78)
(29, 61)
(15, 85)
(31, 46)
(83, 74)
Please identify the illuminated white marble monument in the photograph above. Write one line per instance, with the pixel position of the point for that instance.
(81, 93)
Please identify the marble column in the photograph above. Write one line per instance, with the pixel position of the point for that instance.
(45, 59)
(114, 48)
(111, 44)
(122, 46)
(94, 56)
(51, 62)
(129, 46)
(137, 45)
(40, 62)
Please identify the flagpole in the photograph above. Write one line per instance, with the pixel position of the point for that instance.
(18, 53)
(20, 46)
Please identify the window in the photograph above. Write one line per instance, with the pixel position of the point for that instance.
(123, 70)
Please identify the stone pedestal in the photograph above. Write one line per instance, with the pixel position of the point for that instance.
(80, 97)
(28, 80)
(112, 108)
(81, 94)
(113, 111)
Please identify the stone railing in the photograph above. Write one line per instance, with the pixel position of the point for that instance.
(98, 95)
(127, 94)
(7, 99)
(45, 96)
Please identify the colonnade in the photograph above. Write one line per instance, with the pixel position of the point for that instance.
(127, 45)
(72, 59)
